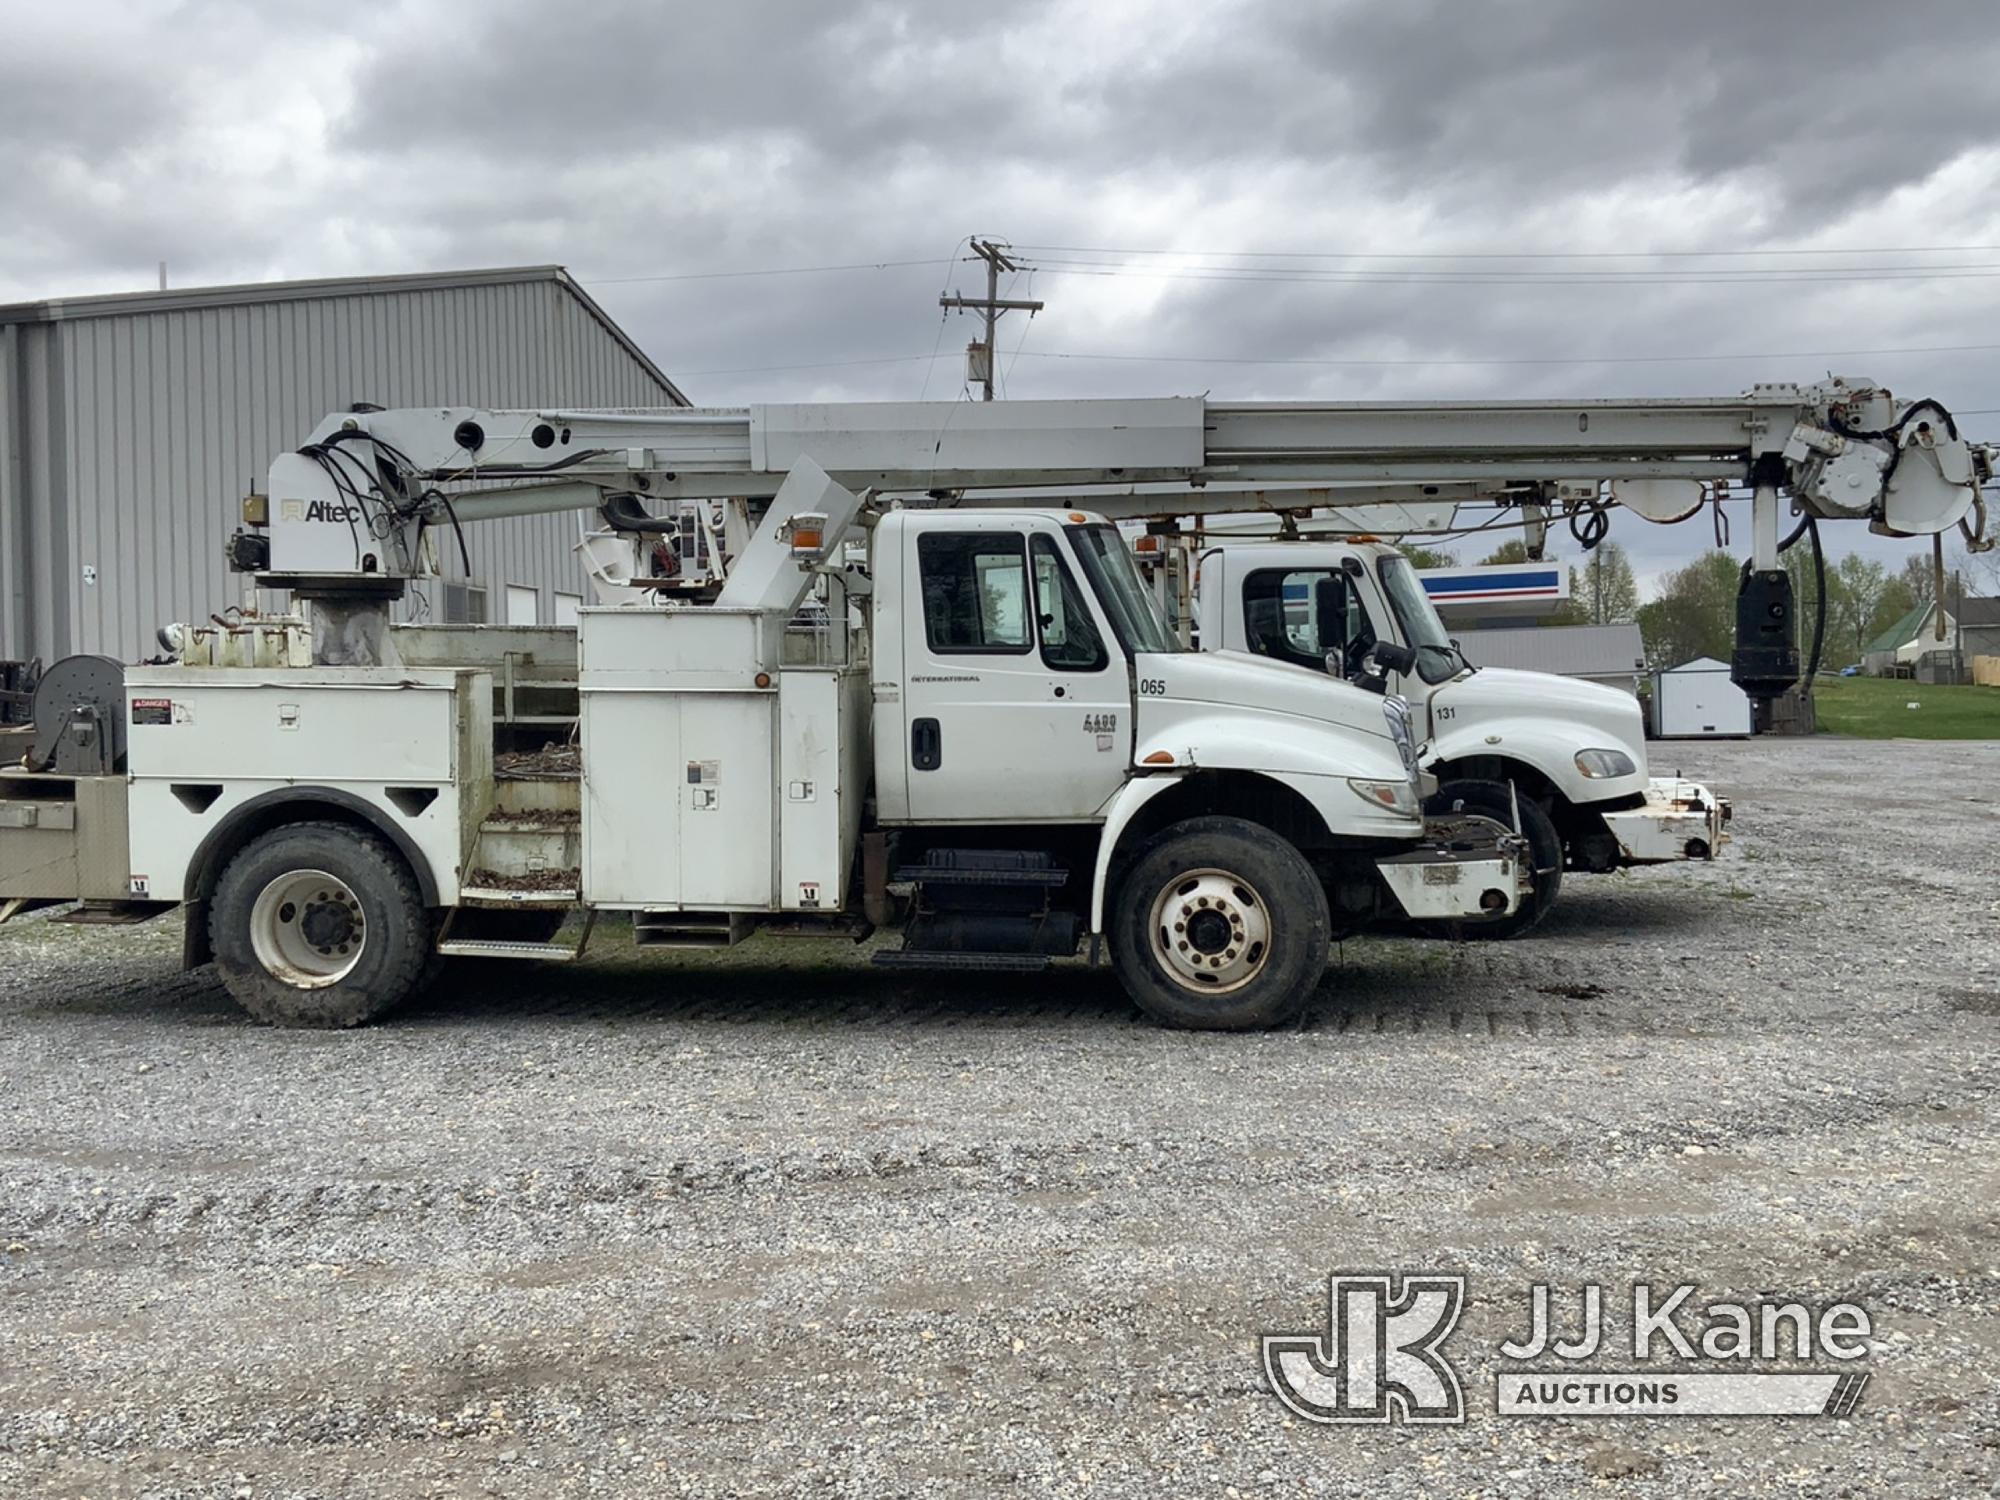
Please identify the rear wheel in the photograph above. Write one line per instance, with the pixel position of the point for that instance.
(1497, 800)
(318, 924)
(1220, 924)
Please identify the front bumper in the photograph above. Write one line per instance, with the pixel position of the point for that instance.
(1467, 866)
(1680, 820)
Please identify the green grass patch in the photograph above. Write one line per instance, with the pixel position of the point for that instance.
(1877, 708)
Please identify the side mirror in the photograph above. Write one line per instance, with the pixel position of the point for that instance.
(1385, 657)
(1330, 620)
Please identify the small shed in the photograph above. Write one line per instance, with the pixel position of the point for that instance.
(1696, 700)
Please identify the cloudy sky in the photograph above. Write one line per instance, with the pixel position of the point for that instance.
(1250, 198)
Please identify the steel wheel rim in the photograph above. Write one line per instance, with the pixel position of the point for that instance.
(1210, 931)
(307, 929)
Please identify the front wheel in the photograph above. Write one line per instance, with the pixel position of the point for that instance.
(320, 925)
(1497, 800)
(1220, 924)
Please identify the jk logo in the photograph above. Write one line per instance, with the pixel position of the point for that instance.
(1380, 1359)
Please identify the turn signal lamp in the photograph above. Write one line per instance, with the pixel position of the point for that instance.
(808, 535)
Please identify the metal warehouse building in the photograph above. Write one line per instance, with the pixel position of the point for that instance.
(131, 426)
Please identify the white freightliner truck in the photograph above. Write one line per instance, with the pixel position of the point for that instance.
(1563, 760)
(1007, 757)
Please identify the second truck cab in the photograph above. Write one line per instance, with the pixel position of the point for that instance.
(1568, 758)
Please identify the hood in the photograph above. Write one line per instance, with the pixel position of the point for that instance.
(1502, 692)
(1236, 679)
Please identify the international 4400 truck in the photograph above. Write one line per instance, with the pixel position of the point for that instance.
(984, 736)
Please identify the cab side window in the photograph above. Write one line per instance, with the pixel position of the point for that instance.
(975, 591)
(1282, 616)
(1070, 640)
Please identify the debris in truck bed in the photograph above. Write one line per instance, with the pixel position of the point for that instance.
(534, 817)
(527, 880)
(549, 760)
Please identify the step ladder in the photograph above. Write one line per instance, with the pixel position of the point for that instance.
(478, 947)
(983, 910)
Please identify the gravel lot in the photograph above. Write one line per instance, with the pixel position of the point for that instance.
(773, 1222)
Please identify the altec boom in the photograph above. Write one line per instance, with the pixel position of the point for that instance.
(884, 689)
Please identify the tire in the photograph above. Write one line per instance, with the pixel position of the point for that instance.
(1495, 800)
(1259, 949)
(318, 925)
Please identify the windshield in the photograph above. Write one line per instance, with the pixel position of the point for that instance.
(1136, 616)
(1437, 658)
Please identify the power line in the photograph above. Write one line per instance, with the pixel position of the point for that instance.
(828, 364)
(1247, 275)
(1503, 254)
(1578, 359)
(867, 265)
(1558, 360)
(1351, 255)
(944, 313)
(1567, 272)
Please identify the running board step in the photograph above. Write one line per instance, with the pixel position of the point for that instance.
(1000, 963)
(690, 929)
(519, 897)
(111, 913)
(553, 953)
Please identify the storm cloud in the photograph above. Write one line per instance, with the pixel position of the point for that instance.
(633, 141)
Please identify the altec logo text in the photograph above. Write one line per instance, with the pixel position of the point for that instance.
(1382, 1357)
(319, 510)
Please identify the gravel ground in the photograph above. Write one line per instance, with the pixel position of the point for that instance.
(773, 1223)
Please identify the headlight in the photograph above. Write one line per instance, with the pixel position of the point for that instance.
(1396, 710)
(1600, 765)
(1398, 797)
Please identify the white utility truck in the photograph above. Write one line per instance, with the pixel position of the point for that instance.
(1563, 760)
(984, 735)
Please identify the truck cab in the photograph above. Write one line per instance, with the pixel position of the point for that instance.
(1036, 718)
(1570, 754)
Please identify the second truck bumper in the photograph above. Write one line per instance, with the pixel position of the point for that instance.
(1680, 820)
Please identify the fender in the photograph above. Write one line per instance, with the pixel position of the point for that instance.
(1547, 744)
(1313, 758)
(202, 868)
(1118, 814)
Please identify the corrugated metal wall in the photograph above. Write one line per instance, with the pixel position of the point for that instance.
(127, 439)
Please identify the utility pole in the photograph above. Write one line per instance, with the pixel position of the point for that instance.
(979, 354)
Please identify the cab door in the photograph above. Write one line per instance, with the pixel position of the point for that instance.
(1016, 706)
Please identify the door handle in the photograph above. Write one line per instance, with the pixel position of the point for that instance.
(926, 745)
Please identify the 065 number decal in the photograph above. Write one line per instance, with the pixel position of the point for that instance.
(1152, 687)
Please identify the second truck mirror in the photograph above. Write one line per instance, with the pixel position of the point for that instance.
(1330, 620)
